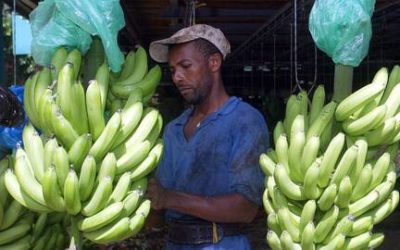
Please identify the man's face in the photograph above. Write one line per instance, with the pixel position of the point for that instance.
(190, 72)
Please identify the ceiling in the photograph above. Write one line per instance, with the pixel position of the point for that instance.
(261, 33)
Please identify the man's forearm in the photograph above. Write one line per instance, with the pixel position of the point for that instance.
(233, 208)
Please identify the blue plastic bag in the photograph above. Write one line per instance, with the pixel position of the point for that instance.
(11, 136)
(72, 22)
(342, 29)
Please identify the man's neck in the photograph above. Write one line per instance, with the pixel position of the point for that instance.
(211, 104)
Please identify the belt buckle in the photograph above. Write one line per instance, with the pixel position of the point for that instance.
(216, 237)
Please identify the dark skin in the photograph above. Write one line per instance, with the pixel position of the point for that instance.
(200, 83)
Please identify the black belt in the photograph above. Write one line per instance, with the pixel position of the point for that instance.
(200, 232)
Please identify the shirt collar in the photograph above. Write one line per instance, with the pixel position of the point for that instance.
(227, 108)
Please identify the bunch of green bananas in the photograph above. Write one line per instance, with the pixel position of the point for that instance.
(134, 74)
(23, 229)
(325, 188)
(84, 165)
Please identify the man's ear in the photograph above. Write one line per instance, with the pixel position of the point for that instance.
(214, 62)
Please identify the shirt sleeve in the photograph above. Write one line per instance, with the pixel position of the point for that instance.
(251, 139)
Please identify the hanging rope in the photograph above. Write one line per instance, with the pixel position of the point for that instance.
(295, 45)
(274, 65)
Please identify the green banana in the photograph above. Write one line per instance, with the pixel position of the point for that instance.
(108, 167)
(310, 153)
(128, 65)
(294, 154)
(273, 223)
(135, 96)
(14, 233)
(278, 131)
(358, 100)
(148, 121)
(362, 184)
(393, 80)
(287, 242)
(303, 101)
(343, 227)
(27, 181)
(358, 242)
(11, 215)
(99, 198)
(63, 128)
(139, 70)
(148, 164)
(79, 150)
(57, 61)
(321, 122)
(286, 185)
(344, 193)
(317, 103)
(29, 103)
(94, 109)
(327, 222)
(307, 214)
(382, 133)
(361, 225)
(74, 57)
(93, 59)
(307, 238)
(87, 177)
(327, 197)
(330, 158)
(71, 193)
(138, 152)
(79, 119)
(51, 190)
(267, 165)
(44, 80)
(49, 149)
(376, 240)
(106, 138)
(64, 90)
(310, 187)
(147, 84)
(39, 226)
(34, 150)
(380, 169)
(363, 124)
(355, 172)
(18, 194)
(287, 224)
(281, 149)
(110, 233)
(346, 162)
(102, 218)
(273, 240)
(292, 110)
(121, 188)
(364, 204)
(103, 79)
(269, 208)
(44, 111)
(61, 165)
(130, 118)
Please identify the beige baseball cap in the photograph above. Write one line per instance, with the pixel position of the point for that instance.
(159, 49)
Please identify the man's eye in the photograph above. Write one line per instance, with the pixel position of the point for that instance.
(185, 66)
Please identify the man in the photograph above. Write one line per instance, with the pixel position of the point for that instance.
(208, 181)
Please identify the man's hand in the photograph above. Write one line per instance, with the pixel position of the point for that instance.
(157, 194)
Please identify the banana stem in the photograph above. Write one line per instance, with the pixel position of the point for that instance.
(76, 238)
(343, 82)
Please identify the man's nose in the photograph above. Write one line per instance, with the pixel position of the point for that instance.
(177, 76)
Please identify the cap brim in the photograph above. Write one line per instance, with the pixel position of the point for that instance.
(159, 49)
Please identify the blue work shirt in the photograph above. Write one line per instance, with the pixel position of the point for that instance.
(220, 158)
